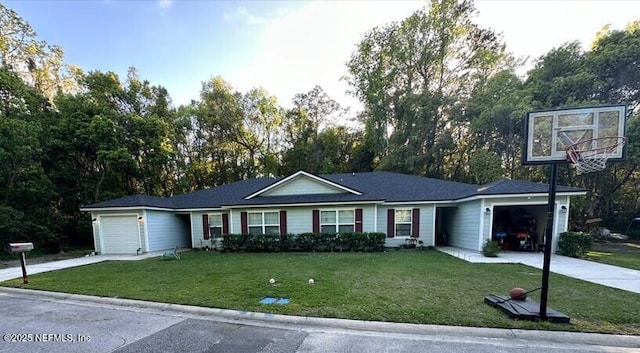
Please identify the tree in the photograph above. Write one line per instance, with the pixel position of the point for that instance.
(560, 79)
(260, 133)
(569, 76)
(414, 78)
(26, 192)
(39, 64)
(304, 125)
(318, 107)
(110, 140)
(232, 136)
(331, 152)
(485, 167)
(497, 111)
(613, 59)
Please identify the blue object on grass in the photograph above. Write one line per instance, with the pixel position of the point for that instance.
(272, 300)
(268, 300)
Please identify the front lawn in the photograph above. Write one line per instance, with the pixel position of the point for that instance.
(403, 286)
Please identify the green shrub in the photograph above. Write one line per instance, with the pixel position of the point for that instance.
(304, 242)
(491, 248)
(574, 244)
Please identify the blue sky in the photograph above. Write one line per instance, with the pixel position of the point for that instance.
(286, 47)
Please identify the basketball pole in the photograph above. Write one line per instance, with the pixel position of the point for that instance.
(548, 241)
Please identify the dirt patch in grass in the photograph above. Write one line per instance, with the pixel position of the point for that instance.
(618, 253)
(631, 247)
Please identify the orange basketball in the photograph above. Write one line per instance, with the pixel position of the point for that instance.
(518, 294)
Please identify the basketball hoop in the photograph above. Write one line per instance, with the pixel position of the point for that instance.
(591, 155)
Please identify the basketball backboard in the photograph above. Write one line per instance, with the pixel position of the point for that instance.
(549, 133)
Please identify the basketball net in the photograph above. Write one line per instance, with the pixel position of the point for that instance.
(589, 160)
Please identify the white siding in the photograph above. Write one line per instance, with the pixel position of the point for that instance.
(165, 230)
(561, 220)
(299, 220)
(302, 186)
(463, 225)
(427, 224)
(487, 223)
(197, 235)
(95, 226)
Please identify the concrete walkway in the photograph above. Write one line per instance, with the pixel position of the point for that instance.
(16, 272)
(606, 275)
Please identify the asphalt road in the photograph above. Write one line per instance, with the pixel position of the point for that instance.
(29, 323)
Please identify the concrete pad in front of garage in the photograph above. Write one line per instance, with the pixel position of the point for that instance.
(594, 272)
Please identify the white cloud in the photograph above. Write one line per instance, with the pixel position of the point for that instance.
(532, 28)
(165, 4)
(249, 17)
(311, 45)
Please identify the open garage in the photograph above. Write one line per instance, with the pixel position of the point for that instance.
(519, 227)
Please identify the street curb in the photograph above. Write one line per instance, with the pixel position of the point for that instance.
(303, 322)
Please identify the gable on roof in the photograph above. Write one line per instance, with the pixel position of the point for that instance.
(303, 183)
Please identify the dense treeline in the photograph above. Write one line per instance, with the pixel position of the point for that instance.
(441, 96)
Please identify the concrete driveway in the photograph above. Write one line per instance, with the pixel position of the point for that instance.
(16, 272)
(606, 275)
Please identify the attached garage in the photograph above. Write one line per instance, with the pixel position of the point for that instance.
(137, 224)
(119, 234)
(520, 223)
(509, 211)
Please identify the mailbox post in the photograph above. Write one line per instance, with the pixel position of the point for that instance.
(22, 248)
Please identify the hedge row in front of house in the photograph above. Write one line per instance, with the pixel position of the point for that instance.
(368, 242)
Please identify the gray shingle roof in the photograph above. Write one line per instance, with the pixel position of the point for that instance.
(223, 194)
(135, 201)
(396, 187)
(507, 186)
(374, 186)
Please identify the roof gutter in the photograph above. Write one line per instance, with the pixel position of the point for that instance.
(125, 208)
(302, 204)
(537, 194)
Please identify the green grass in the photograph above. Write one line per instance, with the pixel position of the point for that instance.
(628, 260)
(403, 286)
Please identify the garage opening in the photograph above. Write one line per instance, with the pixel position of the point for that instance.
(519, 227)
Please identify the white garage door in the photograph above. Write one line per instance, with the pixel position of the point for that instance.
(119, 234)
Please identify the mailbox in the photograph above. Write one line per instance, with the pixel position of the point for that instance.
(21, 247)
